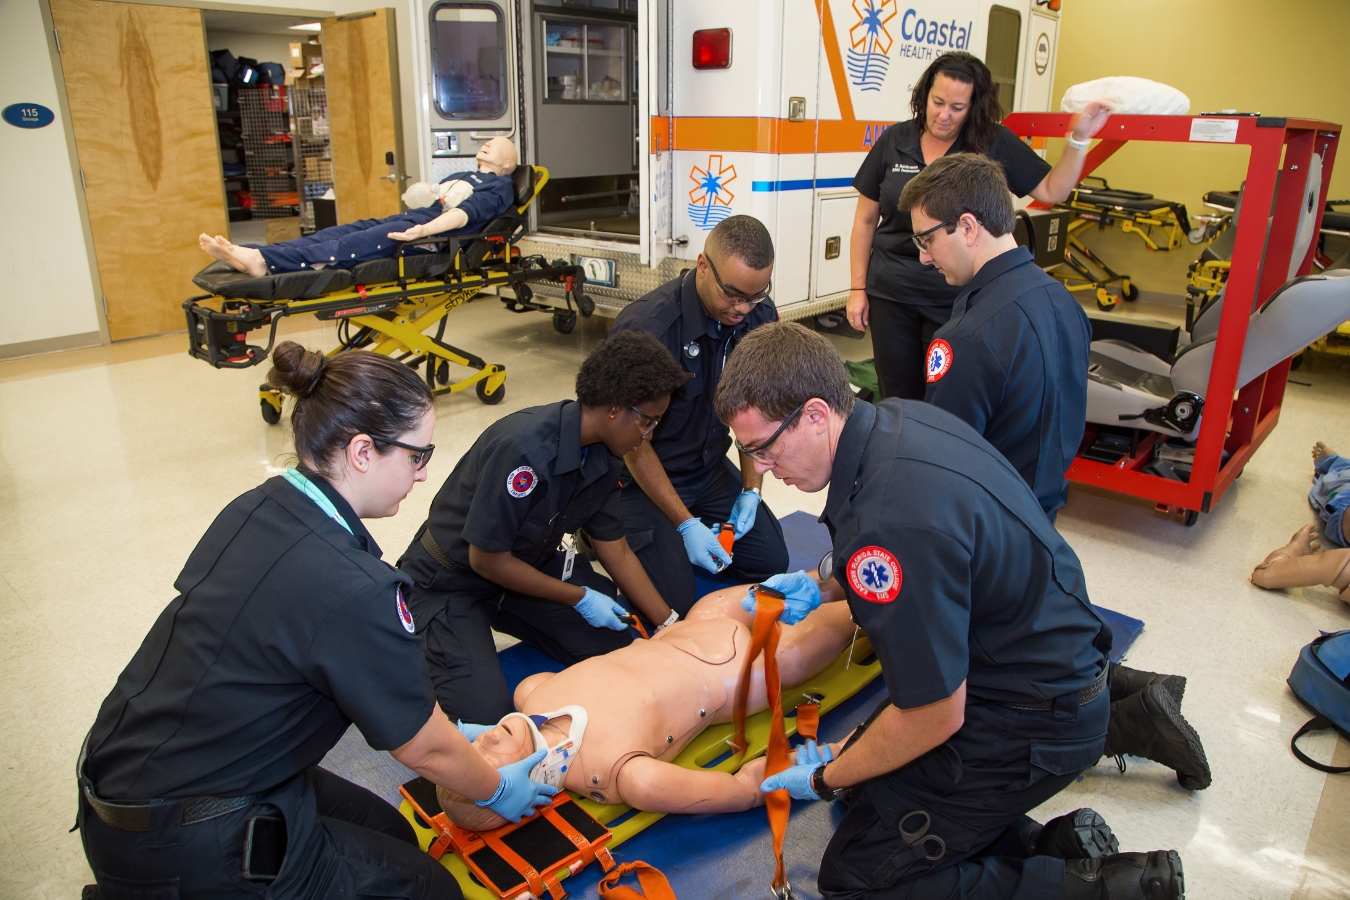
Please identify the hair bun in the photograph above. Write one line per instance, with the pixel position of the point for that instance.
(295, 370)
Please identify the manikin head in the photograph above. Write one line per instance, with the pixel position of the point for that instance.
(735, 269)
(509, 741)
(497, 156)
(785, 394)
(962, 214)
(624, 388)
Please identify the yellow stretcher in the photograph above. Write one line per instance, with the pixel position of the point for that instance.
(849, 673)
(387, 306)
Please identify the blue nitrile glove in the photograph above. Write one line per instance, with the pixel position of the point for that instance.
(813, 754)
(800, 591)
(702, 546)
(796, 779)
(743, 512)
(517, 796)
(471, 731)
(600, 611)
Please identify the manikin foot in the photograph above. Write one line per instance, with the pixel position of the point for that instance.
(1284, 570)
(1303, 543)
(1320, 450)
(242, 259)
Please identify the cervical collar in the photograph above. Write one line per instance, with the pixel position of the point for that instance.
(552, 769)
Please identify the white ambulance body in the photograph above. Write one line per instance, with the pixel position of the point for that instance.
(659, 118)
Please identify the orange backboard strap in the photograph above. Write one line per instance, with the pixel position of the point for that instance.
(652, 884)
(808, 720)
(764, 639)
(515, 861)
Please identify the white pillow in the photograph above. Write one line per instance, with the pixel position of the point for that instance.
(1128, 96)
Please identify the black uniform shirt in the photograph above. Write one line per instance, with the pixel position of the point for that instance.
(951, 567)
(286, 630)
(1012, 364)
(525, 483)
(690, 439)
(894, 271)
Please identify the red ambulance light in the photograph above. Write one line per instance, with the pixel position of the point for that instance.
(712, 48)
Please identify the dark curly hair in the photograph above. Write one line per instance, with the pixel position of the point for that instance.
(629, 368)
(985, 113)
(336, 399)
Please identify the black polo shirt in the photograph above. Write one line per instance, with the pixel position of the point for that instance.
(951, 567)
(286, 630)
(894, 271)
(525, 483)
(690, 439)
(1012, 364)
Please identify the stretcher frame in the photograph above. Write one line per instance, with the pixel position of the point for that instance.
(1237, 418)
(393, 317)
(849, 672)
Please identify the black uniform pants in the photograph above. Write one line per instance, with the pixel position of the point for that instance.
(759, 553)
(950, 824)
(464, 609)
(341, 841)
(901, 333)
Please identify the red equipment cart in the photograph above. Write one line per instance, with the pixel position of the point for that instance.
(1237, 418)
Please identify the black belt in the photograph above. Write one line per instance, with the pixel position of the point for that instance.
(433, 549)
(136, 816)
(1085, 696)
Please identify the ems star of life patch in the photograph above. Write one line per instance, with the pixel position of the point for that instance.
(875, 575)
(521, 481)
(939, 359)
(404, 614)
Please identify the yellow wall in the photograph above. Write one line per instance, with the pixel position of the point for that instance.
(1278, 58)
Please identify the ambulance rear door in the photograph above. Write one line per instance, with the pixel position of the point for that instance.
(472, 90)
(655, 130)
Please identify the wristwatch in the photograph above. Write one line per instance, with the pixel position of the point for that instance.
(818, 785)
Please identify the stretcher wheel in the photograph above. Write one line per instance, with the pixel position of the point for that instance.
(1129, 290)
(1192, 516)
(495, 397)
(271, 415)
(443, 373)
(584, 303)
(1297, 362)
(1106, 301)
(564, 322)
(524, 293)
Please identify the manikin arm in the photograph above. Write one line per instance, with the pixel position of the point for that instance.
(446, 221)
(656, 786)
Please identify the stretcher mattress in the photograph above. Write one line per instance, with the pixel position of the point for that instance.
(221, 280)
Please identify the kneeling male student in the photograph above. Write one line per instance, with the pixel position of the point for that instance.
(994, 660)
(498, 547)
(1012, 363)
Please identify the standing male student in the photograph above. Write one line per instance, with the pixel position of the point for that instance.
(995, 662)
(682, 480)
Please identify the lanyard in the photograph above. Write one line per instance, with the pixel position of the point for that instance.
(306, 487)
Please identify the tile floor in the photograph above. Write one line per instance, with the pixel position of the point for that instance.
(113, 461)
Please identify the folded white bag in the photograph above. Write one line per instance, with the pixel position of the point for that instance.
(1128, 96)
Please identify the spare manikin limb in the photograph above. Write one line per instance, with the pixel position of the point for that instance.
(1297, 564)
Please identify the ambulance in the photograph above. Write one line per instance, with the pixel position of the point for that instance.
(657, 119)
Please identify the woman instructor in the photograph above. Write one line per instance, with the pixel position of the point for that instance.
(956, 110)
(200, 776)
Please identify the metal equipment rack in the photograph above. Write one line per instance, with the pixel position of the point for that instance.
(268, 151)
(1237, 418)
(312, 147)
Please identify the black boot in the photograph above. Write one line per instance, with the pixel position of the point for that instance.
(1081, 834)
(1126, 681)
(1126, 876)
(1150, 725)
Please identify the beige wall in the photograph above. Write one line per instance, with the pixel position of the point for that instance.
(1280, 59)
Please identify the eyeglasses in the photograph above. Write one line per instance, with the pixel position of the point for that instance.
(921, 239)
(420, 456)
(735, 295)
(645, 422)
(758, 453)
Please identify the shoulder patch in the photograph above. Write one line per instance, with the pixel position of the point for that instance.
(404, 614)
(521, 482)
(874, 574)
(939, 360)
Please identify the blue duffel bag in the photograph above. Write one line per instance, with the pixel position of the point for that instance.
(1321, 679)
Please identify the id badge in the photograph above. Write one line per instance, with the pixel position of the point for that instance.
(569, 546)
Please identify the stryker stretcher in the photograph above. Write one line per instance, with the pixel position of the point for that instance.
(1136, 213)
(850, 672)
(386, 305)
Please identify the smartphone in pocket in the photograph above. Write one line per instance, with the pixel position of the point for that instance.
(264, 847)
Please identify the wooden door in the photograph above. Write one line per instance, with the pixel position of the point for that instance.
(360, 62)
(139, 90)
